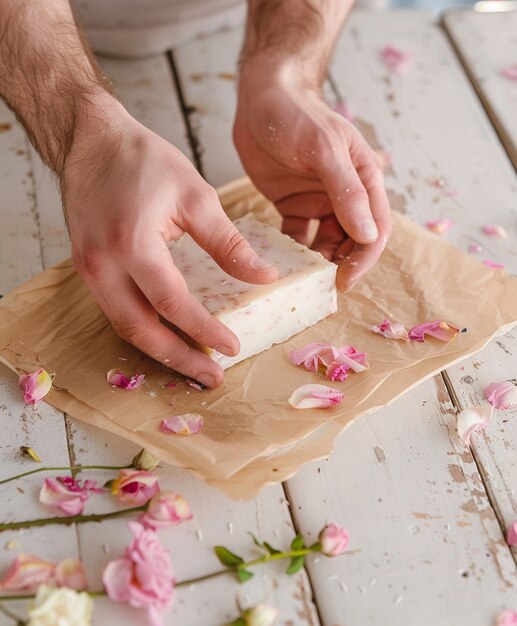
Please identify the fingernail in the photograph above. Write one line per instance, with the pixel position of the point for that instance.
(369, 229)
(206, 379)
(225, 350)
(346, 285)
(259, 264)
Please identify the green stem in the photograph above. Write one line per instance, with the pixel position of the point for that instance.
(94, 517)
(77, 468)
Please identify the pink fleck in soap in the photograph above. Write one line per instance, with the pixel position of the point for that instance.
(261, 315)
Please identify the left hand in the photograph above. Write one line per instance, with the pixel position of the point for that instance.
(313, 164)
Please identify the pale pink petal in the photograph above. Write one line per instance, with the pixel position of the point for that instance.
(63, 497)
(71, 573)
(440, 226)
(348, 355)
(390, 331)
(187, 424)
(493, 230)
(195, 384)
(511, 534)
(315, 397)
(344, 109)
(474, 248)
(507, 618)
(166, 508)
(117, 578)
(437, 329)
(473, 419)
(35, 386)
(494, 264)
(510, 72)
(501, 395)
(438, 183)
(310, 355)
(27, 572)
(118, 379)
(396, 59)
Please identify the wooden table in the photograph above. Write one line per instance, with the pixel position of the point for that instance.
(426, 515)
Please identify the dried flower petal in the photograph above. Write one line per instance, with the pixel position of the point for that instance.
(64, 494)
(195, 384)
(501, 395)
(474, 248)
(390, 331)
(510, 72)
(511, 534)
(35, 386)
(312, 354)
(438, 329)
(348, 355)
(315, 397)
(397, 60)
(507, 618)
(494, 264)
(31, 453)
(118, 379)
(473, 419)
(187, 424)
(337, 371)
(344, 109)
(493, 230)
(440, 226)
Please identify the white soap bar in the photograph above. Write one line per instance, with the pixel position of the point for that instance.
(261, 315)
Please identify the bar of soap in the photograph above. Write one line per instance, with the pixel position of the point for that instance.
(261, 315)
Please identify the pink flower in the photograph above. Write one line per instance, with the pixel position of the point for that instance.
(493, 230)
(187, 424)
(472, 420)
(510, 72)
(390, 331)
(28, 572)
(35, 386)
(165, 509)
(507, 618)
(334, 540)
(493, 264)
(397, 60)
(438, 329)
(474, 248)
(315, 397)
(501, 395)
(118, 379)
(135, 486)
(143, 577)
(511, 534)
(343, 108)
(65, 494)
(440, 226)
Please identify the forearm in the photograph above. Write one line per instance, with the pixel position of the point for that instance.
(48, 76)
(287, 33)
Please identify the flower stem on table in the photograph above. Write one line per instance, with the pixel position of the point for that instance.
(76, 468)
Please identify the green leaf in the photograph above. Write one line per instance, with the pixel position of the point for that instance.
(257, 542)
(296, 565)
(270, 548)
(108, 484)
(316, 547)
(297, 543)
(226, 557)
(243, 575)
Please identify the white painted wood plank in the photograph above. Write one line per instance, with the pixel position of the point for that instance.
(145, 88)
(487, 43)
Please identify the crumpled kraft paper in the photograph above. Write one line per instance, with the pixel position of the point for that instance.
(251, 436)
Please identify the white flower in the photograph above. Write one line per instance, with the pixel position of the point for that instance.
(61, 607)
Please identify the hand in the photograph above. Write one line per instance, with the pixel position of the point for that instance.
(313, 164)
(126, 193)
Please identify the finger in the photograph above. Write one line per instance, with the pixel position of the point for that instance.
(164, 286)
(306, 204)
(349, 197)
(329, 237)
(211, 228)
(298, 228)
(134, 320)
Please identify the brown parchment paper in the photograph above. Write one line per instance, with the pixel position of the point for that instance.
(251, 436)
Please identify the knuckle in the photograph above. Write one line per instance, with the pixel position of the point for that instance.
(89, 263)
(131, 332)
(171, 307)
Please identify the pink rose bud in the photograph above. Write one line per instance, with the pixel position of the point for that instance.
(334, 540)
(35, 386)
(165, 509)
(511, 534)
(260, 615)
(135, 486)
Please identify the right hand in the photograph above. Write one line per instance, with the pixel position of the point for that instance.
(126, 193)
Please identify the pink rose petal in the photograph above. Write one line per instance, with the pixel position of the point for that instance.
(337, 371)
(501, 395)
(440, 226)
(511, 534)
(507, 618)
(390, 331)
(438, 329)
(187, 424)
(494, 264)
(315, 397)
(510, 72)
(348, 355)
(118, 379)
(394, 58)
(64, 494)
(311, 354)
(165, 509)
(472, 420)
(344, 109)
(195, 384)
(35, 386)
(474, 248)
(493, 230)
